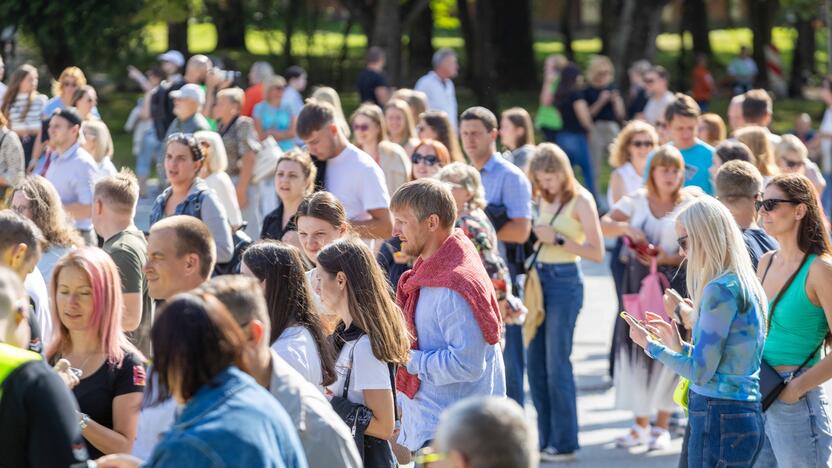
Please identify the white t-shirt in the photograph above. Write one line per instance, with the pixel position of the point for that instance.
(297, 347)
(368, 373)
(654, 110)
(221, 184)
(39, 294)
(659, 231)
(358, 182)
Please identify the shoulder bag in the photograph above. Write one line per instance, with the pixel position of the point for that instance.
(771, 382)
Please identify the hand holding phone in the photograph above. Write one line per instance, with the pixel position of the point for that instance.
(641, 326)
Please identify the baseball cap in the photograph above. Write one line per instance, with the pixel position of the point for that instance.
(173, 56)
(190, 91)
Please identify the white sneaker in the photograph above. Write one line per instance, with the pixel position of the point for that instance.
(635, 437)
(553, 456)
(659, 439)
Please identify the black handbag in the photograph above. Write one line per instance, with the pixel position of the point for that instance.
(771, 382)
(375, 452)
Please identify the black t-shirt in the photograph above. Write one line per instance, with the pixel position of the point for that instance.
(567, 113)
(758, 243)
(95, 394)
(273, 225)
(38, 423)
(368, 81)
(638, 103)
(607, 112)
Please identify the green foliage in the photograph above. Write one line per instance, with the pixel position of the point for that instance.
(445, 15)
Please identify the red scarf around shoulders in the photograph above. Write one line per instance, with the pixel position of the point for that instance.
(457, 266)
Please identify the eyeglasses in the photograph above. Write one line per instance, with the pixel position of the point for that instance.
(683, 242)
(792, 164)
(426, 159)
(360, 127)
(642, 143)
(771, 203)
(649, 81)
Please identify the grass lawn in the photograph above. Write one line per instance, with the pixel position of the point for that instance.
(322, 47)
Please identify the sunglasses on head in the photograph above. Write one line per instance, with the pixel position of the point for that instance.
(771, 203)
(426, 159)
(642, 143)
(188, 140)
(360, 127)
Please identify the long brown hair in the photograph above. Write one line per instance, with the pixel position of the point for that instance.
(48, 212)
(549, 157)
(324, 206)
(13, 90)
(812, 235)
(520, 118)
(288, 296)
(439, 122)
(370, 298)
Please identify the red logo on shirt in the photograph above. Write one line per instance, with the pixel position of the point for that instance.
(138, 376)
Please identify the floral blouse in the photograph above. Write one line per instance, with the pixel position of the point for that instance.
(478, 228)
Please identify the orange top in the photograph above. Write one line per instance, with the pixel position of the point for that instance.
(703, 86)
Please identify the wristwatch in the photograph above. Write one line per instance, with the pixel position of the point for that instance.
(83, 421)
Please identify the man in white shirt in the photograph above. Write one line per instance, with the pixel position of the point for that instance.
(350, 174)
(437, 84)
(656, 81)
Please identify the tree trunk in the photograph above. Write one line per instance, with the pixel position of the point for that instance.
(293, 11)
(803, 56)
(636, 36)
(178, 37)
(387, 34)
(566, 29)
(695, 20)
(610, 15)
(477, 28)
(420, 46)
(466, 23)
(761, 19)
(229, 18)
(57, 55)
(515, 49)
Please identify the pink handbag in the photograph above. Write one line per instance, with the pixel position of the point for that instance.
(650, 295)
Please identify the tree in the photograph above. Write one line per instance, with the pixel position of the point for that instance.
(636, 34)
(802, 15)
(420, 43)
(761, 20)
(695, 21)
(566, 29)
(230, 19)
(477, 19)
(178, 36)
(92, 33)
(515, 49)
(610, 13)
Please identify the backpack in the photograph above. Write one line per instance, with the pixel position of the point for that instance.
(161, 107)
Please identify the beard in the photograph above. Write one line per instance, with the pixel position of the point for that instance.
(412, 249)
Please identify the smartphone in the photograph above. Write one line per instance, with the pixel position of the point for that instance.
(638, 324)
(78, 372)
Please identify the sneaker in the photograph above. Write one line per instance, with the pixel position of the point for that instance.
(659, 439)
(552, 455)
(636, 437)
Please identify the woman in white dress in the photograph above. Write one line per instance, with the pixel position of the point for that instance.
(647, 215)
(297, 333)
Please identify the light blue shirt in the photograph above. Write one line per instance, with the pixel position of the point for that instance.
(453, 362)
(275, 118)
(293, 101)
(505, 184)
(73, 174)
(57, 103)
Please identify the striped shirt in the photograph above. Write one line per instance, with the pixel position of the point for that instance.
(32, 120)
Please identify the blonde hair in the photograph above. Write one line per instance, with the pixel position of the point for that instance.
(374, 113)
(620, 147)
(121, 189)
(69, 72)
(216, 160)
(409, 125)
(275, 81)
(715, 127)
(235, 95)
(103, 139)
(597, 65)
(716, 247)
(417, 100)
(549, 157)
(756, 138)
(791, 144)
(327, 94)
(665, 156)
(468, 177)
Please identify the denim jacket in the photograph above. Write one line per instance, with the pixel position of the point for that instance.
(201, 203)
(232, 421)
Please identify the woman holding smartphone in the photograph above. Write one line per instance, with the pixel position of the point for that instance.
(723, 359)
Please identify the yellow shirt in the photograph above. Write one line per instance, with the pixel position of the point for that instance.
(566, 225)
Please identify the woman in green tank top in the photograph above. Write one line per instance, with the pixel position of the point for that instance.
(797, 279)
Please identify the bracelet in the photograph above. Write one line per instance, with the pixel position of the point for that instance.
(82, 423)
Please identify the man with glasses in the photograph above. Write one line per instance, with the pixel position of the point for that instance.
(72, 170)
(656, 82)
(738, 187)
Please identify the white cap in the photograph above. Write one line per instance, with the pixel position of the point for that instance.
(173, 56)
(190, 91)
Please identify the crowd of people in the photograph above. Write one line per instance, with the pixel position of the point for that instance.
(317, 290)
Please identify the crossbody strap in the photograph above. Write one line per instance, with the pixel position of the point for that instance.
(539, 247)
(782, 290)
(391, 368)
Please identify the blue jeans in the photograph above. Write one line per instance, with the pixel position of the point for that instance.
(550, 370)
(149, 151)
(576, 147)
(723, 432)
(797, 435)
(514, 353)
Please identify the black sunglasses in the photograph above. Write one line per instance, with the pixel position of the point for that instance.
(683, 242)
(771, 203)
(426, 159)
(642, 144)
